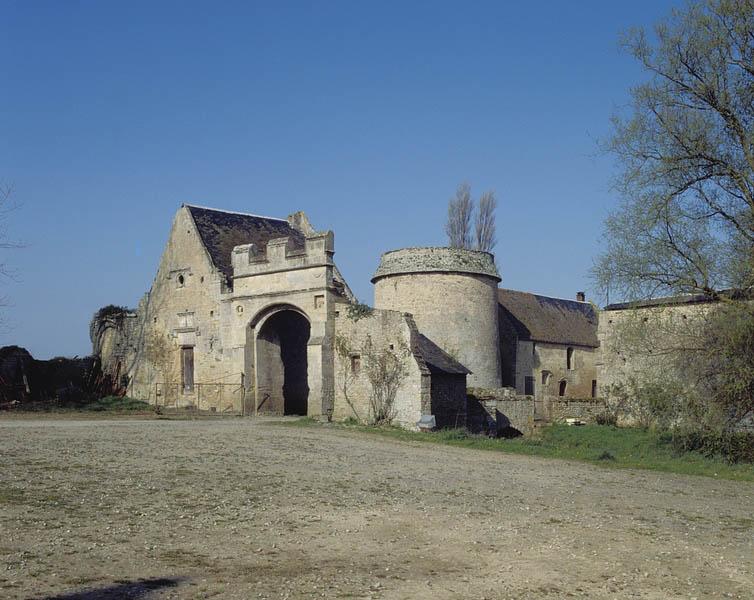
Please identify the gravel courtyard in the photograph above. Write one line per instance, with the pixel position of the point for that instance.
(239, 508)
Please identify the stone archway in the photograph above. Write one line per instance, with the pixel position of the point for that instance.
(281, 363)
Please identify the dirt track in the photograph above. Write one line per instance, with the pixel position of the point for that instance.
(242, 509)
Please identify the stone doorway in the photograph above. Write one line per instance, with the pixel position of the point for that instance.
(282, 366)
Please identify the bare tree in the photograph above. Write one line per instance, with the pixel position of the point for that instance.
(686, 158)
(7, 205)
(485, 222)
(458, 225)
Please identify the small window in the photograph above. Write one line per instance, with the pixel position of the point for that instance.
(355, 364)
(534, 349)
(239, 309)
(181, 281)
(562, 388)
(529, 386)
(546, 377)
(569, 359)
(337, 313)
(201, 279)
(319, 301)
(212, 313)
(594, 388)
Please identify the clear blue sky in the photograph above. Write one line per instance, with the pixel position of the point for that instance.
(366, 116)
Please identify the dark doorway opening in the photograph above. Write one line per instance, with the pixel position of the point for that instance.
(282, 364)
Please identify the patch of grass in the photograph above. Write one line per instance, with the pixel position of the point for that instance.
(117, 403)
(607, 446)
(10, 495)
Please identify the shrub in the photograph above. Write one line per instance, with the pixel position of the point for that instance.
(733, 446)
(607, 418)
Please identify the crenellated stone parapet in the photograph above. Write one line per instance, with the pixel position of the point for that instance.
(284, 254)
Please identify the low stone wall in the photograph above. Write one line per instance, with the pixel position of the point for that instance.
(586, 409)
(500, 411)
(504, 412)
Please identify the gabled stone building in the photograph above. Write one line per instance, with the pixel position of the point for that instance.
(548, 346)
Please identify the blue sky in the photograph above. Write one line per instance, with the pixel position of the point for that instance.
(364, 115)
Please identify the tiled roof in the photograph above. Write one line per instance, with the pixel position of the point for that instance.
(552, 320)
(436, 359)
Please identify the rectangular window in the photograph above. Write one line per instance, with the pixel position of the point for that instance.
(185, 320)
(355, 364)
(529, 386)
(187, 369)
(594, 388)
(319, 301)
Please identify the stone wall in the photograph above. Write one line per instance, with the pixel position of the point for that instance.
(548, 365)
(646, 342)
(506, 409)
(381, 330)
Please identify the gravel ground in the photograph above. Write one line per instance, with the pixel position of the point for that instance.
(248, 509)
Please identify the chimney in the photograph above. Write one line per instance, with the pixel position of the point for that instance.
(580, 297)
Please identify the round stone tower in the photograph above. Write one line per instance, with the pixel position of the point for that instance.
(452, 295)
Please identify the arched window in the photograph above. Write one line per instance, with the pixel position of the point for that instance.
(569, 359)
(546, 375)
(562, 388)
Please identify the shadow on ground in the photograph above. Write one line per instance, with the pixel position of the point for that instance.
(140, 588)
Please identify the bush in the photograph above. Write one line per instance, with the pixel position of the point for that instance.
(734, 447)
(607, 418)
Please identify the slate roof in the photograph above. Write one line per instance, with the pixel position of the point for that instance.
(436, 359)
(552, 320)
(221, 231)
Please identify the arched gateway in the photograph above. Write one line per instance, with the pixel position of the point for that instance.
(279, 354)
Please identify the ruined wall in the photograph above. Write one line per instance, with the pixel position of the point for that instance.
(505, 408)
(112, 333)
(533, 359)
(452, 295)
(500, 409)
(646, 342)
(353, 338)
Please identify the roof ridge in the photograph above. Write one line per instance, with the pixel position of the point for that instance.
(233, 212)
(545, 296)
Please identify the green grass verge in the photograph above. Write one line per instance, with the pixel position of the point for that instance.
(117, 403)
(596, 444)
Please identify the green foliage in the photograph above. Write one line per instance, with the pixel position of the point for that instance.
(644, 401)
(733, 447)
(117, 403)
(359, 310)
(606, 418)
(723, 365)
(111, 311)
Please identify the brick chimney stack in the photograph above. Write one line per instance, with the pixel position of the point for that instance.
(580, 297)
